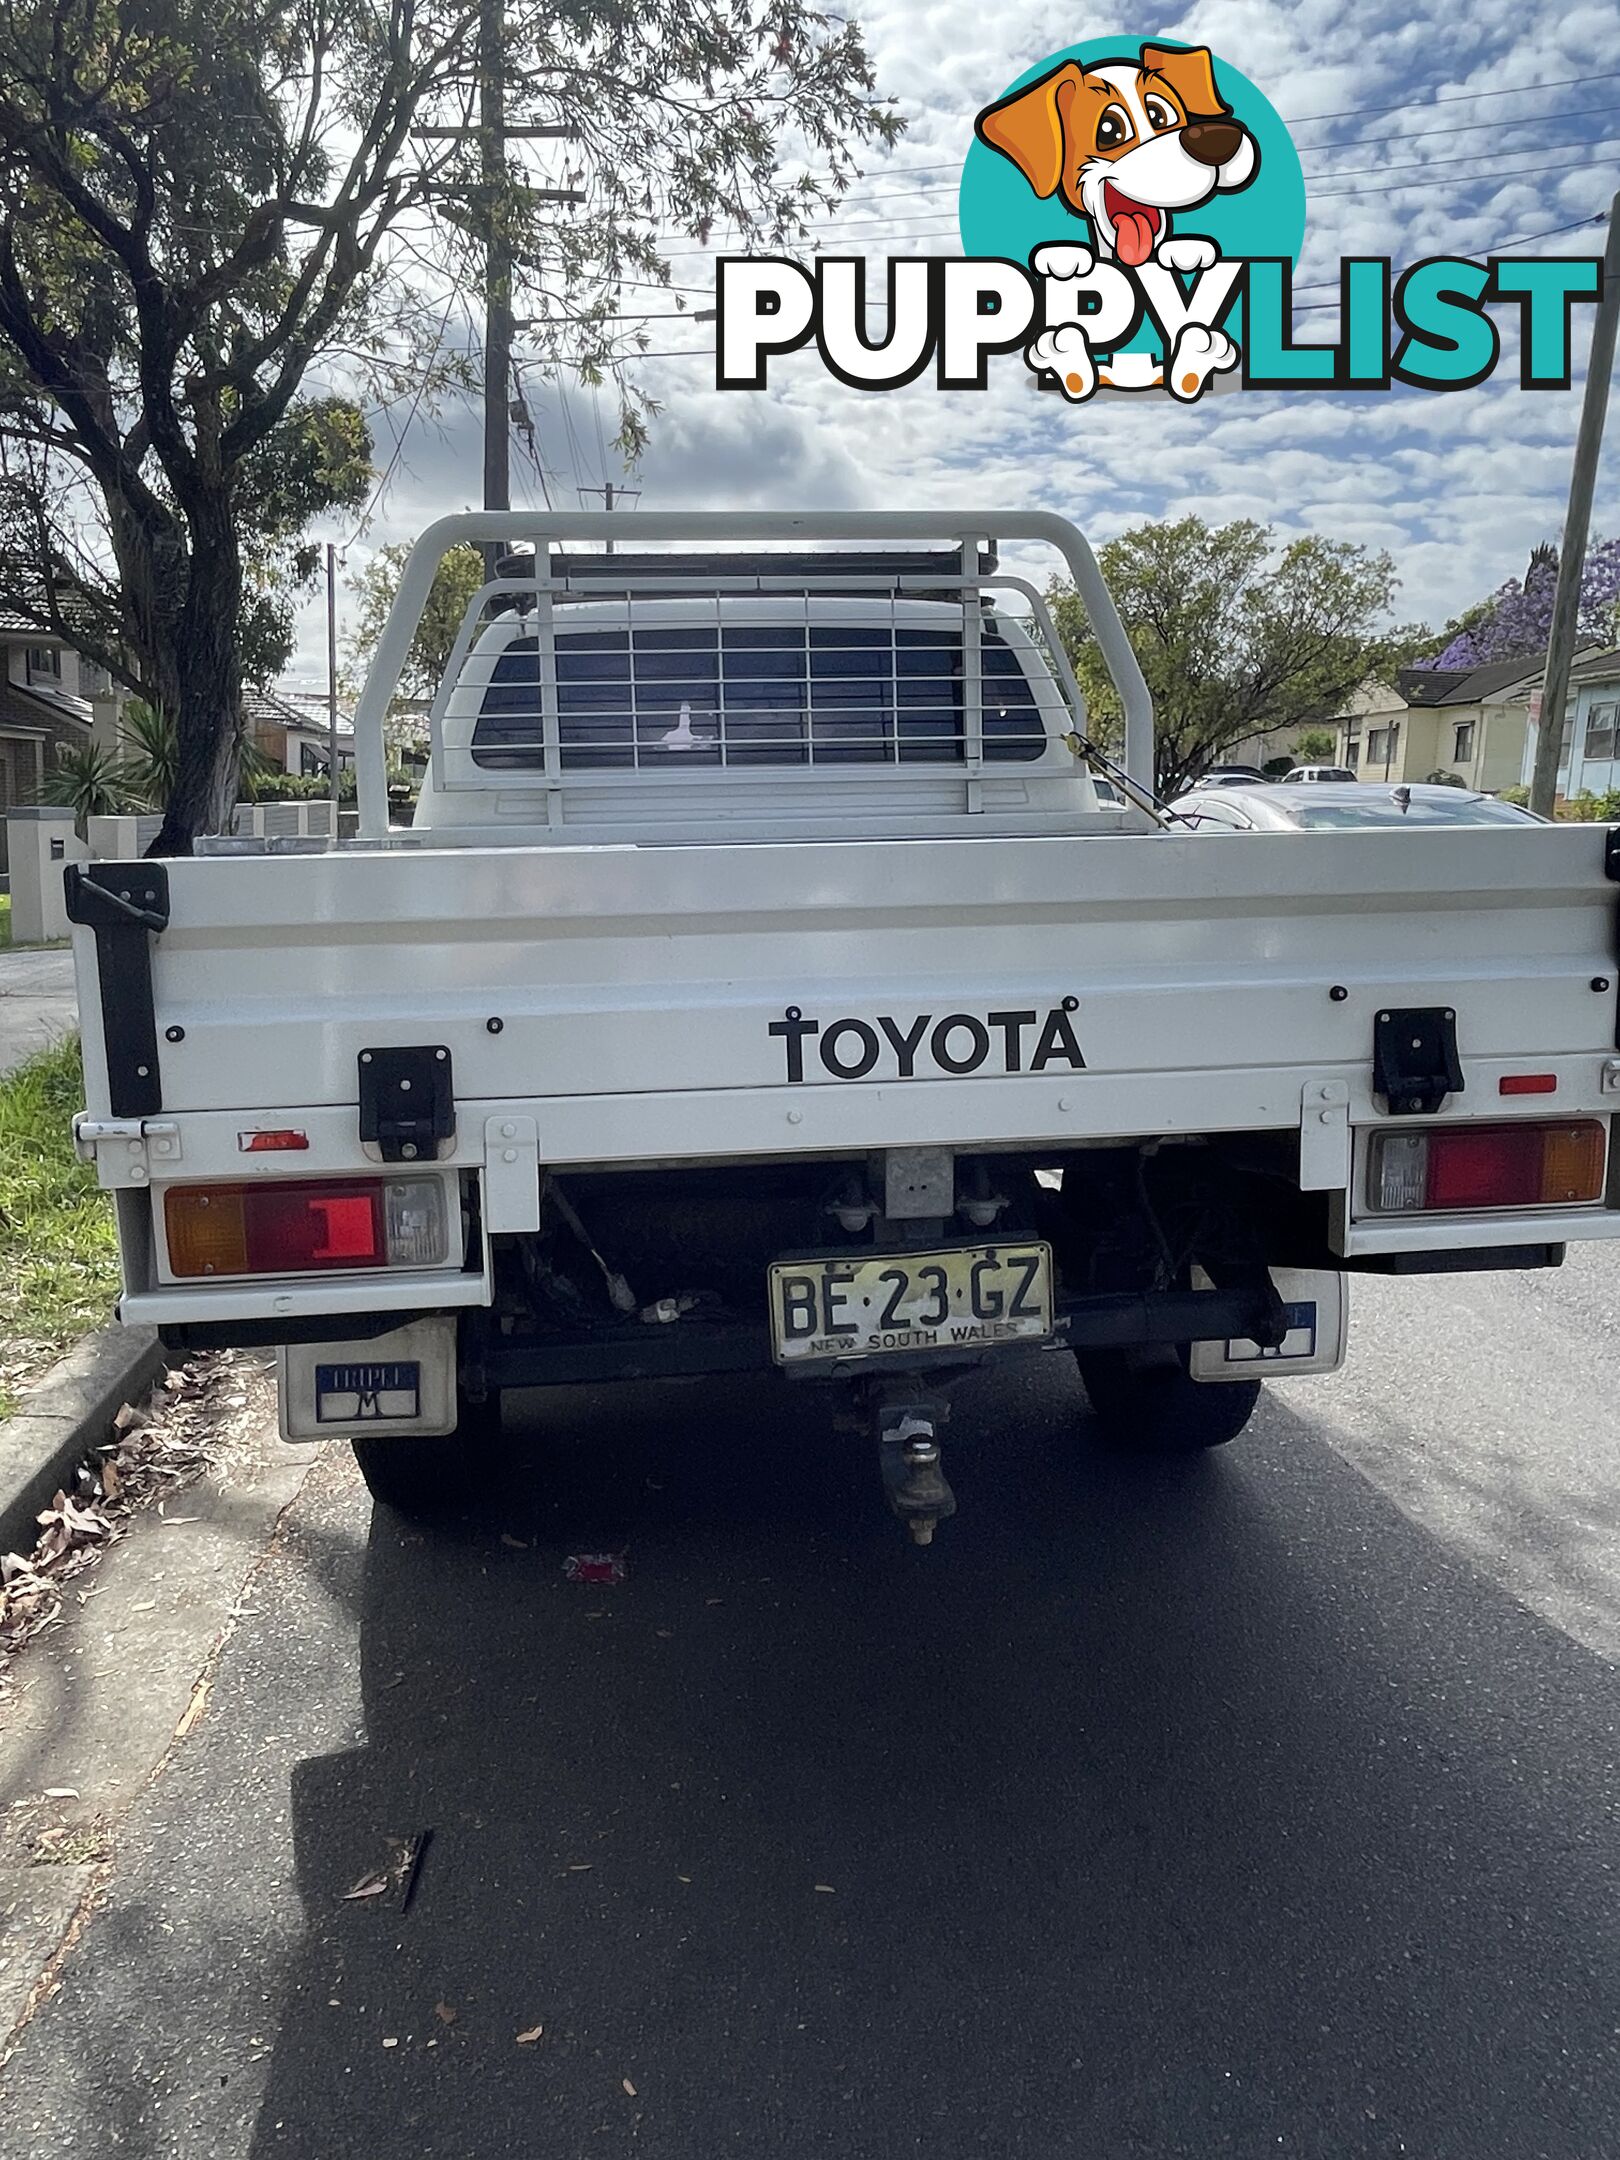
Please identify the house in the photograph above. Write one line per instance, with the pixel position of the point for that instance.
(1591, 728)
(1469, 723)
(294, 736)
(51, 698)
(46, 692)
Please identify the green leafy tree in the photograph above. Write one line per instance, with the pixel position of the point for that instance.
(1236, 635)
(458, 577)
(207, 209)
(1315, 745)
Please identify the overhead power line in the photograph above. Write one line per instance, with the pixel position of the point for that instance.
(1317, 194)
(1469, 127)
(821, 241)
(1355, 112)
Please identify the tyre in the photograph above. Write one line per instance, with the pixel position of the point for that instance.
(419, 1477)
(1147, 1402)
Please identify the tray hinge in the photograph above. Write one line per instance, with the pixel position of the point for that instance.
(1415, 1062)
(125, 1151)
(124, 904)
(407, 1101)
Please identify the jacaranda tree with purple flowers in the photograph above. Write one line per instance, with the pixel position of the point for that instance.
(1516, 622)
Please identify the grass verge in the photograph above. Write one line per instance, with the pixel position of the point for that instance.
(5, 918)
(58, 1255)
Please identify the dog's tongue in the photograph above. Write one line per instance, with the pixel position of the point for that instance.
(1133, 234)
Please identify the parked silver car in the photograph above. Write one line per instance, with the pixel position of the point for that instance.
(1340, 806)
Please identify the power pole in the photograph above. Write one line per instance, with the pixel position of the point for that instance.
(610, 495)
(492, 224)
(331, 681)
(1577, 520)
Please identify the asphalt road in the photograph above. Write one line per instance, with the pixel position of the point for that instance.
(37, 1003)
(1260, 1806)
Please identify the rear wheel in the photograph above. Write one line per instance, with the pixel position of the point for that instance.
(417, 1476)
(1147, 1402)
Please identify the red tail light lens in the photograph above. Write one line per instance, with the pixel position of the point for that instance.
(1452, 1169)
(304, 1226)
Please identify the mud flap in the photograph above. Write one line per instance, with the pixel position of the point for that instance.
(1316, 1304)
(402, 1382)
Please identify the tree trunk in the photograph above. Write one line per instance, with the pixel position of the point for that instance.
(207, 676)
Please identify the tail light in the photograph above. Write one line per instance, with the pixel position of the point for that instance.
(1457, 1167)
(311, 1226)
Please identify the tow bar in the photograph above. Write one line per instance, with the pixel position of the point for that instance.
(908, 1456)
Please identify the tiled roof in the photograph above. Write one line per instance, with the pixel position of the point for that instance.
(262, 708)
(15, 622)
(1597, 666)
(266, 708)
(1464, 686)
(58, 716)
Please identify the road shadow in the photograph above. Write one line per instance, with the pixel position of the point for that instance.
(1156, 1811)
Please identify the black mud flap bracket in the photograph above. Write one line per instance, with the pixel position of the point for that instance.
(1415, 1062)
(124, 904)
(407, 1101)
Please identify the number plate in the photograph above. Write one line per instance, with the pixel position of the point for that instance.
(902, 1303)
(360, 1394)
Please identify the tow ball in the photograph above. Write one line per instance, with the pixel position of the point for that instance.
(908, 1455)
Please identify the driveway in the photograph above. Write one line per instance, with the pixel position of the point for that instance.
(37, 1004)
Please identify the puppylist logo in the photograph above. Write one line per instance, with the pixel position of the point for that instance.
(1131, 217)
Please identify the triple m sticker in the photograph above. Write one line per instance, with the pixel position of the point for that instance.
(1131, 219)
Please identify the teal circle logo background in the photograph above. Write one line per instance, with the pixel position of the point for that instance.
(1000, 213)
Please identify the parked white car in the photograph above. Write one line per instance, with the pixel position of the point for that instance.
(1356, 806)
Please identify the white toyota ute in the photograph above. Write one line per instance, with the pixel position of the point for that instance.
(778, 975)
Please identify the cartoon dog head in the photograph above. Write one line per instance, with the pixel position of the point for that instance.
(1125, 142)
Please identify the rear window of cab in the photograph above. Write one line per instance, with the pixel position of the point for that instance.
(756, 694)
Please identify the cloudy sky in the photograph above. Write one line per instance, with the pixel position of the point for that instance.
(1423, 128)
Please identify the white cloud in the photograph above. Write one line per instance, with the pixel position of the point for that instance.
(1458, 487)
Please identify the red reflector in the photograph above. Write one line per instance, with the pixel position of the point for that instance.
(1527, 1084)
(351, 1228)
(312, 1226)
(272, 1143)
(1494, 1166)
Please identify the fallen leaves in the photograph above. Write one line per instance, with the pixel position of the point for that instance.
(629, 2088)
(157, 1449)
(445, 2014)
(525, 2039)
(397, 1877)
(194, 1709)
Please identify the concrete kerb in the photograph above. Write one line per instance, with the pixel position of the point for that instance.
(61, 1420)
